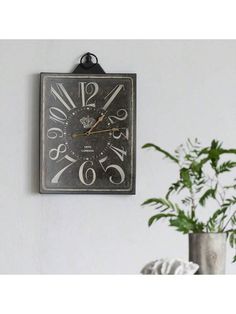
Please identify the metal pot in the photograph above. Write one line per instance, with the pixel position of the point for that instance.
(208, 250)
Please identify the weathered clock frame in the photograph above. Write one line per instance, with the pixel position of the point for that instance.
(100, 168)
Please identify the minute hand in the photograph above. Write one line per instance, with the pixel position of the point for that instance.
(76, 135)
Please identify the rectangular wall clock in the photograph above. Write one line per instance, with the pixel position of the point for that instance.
(87, 133)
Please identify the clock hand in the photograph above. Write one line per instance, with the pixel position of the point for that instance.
(76, 135)
(97, 122)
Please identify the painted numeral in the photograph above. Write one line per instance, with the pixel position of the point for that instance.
(53, 133)
(90, 89)
(121, 153)
(57, 115)
(69, 104)
(112, 95)
(121, 115)
(88, 176)
(113, 167)
(121, 133)
(54, 153)
(71, 160)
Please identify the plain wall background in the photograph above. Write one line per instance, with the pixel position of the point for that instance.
(185, 89)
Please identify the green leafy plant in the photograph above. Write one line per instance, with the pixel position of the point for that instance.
(200, 172)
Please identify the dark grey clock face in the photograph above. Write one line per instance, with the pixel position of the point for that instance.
(87, 133)
(87, 147)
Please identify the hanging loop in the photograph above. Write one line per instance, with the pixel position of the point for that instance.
(87, 65)
(87, 57)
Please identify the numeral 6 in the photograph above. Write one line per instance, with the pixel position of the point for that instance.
(88, 176)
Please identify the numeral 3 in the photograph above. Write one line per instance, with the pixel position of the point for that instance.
(118, 134)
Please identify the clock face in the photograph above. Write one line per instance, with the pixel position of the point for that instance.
(87, 133)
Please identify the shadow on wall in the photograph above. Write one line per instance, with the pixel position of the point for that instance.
(33, 134)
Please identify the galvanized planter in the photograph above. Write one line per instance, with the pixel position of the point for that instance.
(208, 250)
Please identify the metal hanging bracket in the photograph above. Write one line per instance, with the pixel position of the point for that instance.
(87, 65)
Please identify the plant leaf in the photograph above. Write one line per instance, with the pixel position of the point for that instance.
(158, 217)
(230, 187)
(185, 176)
(167, 204)
(175, 187)
(186, 224)
(232, 239)
(214, 152)
(151, 201)
(159, 149)
(225, 167)
(196, 167)
(229, 202)
(206, 195)
(212, 221)
(228, 151)
(233, 220)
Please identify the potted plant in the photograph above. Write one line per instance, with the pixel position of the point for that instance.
(200, 178)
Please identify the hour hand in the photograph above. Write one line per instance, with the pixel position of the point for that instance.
(97, 122)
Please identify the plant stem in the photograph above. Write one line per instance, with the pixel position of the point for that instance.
(193, 207)
(234, 213)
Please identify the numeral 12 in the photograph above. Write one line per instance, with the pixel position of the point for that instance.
(88, 89)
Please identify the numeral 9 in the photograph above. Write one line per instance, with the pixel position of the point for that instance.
(53, 133)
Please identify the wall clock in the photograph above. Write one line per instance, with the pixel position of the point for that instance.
(87, 131)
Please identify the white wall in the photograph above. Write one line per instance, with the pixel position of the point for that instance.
(185, 89)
